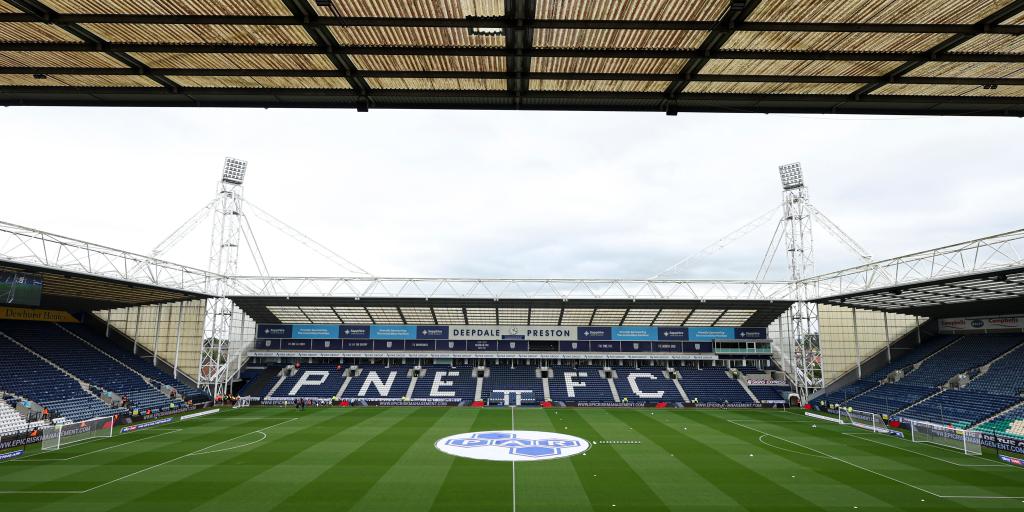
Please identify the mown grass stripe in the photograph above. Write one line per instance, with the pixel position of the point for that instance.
(605, 475)
(478, 485)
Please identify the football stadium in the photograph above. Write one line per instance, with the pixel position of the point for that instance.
(130, 381)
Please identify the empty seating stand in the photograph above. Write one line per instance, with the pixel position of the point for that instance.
(143, 366)
(712, 386)
(311, 381)
(10, 420)
(520, 378)
(462, 379)
(378, 382)
(651, 382)
(23, 373)
(578, 384)
(86, 363)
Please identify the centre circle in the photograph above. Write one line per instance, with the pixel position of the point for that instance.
(512, 445)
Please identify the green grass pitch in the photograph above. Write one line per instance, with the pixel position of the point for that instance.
(384, 459)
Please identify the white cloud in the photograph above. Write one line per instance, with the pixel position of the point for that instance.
(510, 193)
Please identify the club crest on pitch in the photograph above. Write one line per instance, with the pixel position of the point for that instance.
(507, 445)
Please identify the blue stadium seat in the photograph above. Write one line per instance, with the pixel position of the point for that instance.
(649, 381)
(584, 384)
(712, 386)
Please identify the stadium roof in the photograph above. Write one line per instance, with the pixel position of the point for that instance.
(73, 291)
(962, 57)
(463, 311)
(981, 276)
(988, 293)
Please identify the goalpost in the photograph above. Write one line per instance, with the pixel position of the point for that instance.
(56, 437)
(958, 439)
(863, 419)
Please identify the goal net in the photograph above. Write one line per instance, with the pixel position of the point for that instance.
(59, 436)
(863, 419)
(958, 439)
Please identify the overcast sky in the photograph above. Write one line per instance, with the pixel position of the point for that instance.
(510, 194)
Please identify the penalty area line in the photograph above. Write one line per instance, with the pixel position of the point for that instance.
(887, 477)
(154, 466)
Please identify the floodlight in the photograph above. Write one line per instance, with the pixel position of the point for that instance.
(485, 31)
(792, 176)
(234, 171)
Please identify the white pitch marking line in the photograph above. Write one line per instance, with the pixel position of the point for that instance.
(143, 470)
(513, 462)
(29, 459)
(844, 461)
(866, 436)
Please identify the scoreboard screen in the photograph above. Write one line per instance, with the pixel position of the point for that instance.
(20, 289)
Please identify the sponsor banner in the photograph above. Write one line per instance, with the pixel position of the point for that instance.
(419, 345)
(388, 345)
(604, 346)
(275, 331)
(673, 333)
(432, 332)
(1005, 458)
(503, 332)
(482, 346)
(751, 333)
(981, 323)
(326, 344)
(357, 345)
(11, 455)
(635, 333)
(574, 346)
(267, 345)
(143, 426)
(511, 346)
(1003, 444)
(697, 346)
(636, 346)
(199, 414)
(765, 382)
(295, 344)
(418, 402)
(355, 332)
(315, 332)
(823, 418)
(606, 404)
(36, 315)
(392, 332)
(715, 405)
(594, 333)
(455, 345)
(667, 346)
(712, 333)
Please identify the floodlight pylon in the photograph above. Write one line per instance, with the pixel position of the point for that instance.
(225, 238)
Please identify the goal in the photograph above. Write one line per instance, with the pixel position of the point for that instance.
(957, 439)
(58, 436)
(863, 419)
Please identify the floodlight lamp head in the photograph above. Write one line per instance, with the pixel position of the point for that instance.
(234, 171)
(792, 176)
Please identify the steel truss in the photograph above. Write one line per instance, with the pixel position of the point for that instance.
(467, 288)
(20, 244)
(993, 253)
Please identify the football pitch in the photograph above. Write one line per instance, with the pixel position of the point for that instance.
(385, 459)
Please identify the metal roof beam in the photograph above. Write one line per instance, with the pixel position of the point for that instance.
(328, 45)
(501, 52)
(716, 39)
(349, 21)
(41, 12)
(642, 77)
(943, 48)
